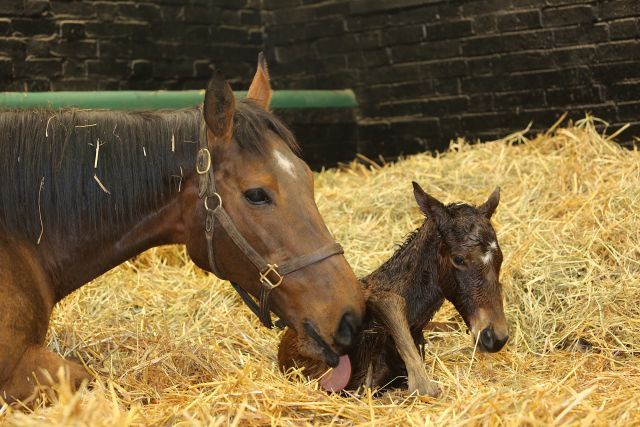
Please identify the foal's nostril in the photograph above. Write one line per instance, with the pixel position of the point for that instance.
(490, 342)
(347, 329)
(487, 339)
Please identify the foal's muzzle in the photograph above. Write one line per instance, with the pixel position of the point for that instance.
(490, 342)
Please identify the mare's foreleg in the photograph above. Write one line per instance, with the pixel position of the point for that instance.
(26, 302)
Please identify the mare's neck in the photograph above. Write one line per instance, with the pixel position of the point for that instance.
(135, 216)
(79, 259)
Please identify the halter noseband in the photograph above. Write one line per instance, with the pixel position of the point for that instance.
(270, 275)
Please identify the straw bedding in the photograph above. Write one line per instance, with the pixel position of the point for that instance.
(171, 345)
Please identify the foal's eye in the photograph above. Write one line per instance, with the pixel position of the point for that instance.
(458, 260)
(257, 196)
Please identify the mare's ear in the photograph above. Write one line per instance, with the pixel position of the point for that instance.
(429, 205)
(219, 107)
(489, 207)
(260, 89)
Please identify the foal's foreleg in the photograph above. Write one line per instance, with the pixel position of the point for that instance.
(389, 308)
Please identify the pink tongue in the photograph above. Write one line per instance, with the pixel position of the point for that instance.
(339, 376)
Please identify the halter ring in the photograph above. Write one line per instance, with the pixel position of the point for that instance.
(206, 204)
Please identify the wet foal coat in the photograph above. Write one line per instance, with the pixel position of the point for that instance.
(454, 255)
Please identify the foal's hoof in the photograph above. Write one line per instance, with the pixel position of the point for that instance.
(424, 388)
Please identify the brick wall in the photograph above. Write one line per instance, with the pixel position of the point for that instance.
(426, 71)
(109, 45)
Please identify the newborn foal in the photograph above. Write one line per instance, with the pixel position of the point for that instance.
(453, 255)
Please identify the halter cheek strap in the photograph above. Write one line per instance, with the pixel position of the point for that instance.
(270, 275)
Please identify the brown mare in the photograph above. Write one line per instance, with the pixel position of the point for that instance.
(453, 255)
(83, 191)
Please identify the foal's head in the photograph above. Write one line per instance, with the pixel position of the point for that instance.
(470, 256)
(267, 191)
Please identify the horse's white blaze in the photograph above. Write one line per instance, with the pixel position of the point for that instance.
(286, 164)
(486, 258)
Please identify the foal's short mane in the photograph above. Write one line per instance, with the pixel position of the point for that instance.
(55, 180)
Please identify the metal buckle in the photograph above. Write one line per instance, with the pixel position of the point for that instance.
(206, 204)
(200, 168)
(266, 281)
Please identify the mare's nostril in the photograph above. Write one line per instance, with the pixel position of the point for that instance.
(487, 338)
(346, 332)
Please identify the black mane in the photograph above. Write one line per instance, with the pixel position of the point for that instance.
(47, 164)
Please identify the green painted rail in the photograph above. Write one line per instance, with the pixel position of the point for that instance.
(137, 100)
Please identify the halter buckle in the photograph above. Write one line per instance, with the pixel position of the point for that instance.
(203, 161)
(266, 281)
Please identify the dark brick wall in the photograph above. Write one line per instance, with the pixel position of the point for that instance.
(109, 45)
(426, 71)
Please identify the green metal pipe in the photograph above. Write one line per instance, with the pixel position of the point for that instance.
(138, 99)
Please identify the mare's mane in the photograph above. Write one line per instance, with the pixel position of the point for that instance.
(70, 172)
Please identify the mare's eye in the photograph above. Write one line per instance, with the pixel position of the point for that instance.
(458, 260)
(257, 196)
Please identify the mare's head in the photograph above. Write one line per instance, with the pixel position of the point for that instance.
(470, 256)
(267, 191)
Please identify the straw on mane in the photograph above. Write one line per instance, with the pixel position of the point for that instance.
(104, 168)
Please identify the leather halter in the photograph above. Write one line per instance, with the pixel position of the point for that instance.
(270, 275)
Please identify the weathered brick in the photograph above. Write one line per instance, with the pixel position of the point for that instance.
(591, 94)
(614, 72)
(449, 30)
(625, 91)
(141, 69)
(618, 51)
(5, 26)
(40, 67)
(12, 47)
(33, 26)
(403, 35)
(519, 20)
(128, 30)
(146, 12)
(6, 68)
(629, 111)
(619, 9)
(75, 48)
(36, 7)
(578, 14)
(508, 43)
(107, 67)
(442, 68)
(71, 29)
(624, 29)
(426, 51)
(578, 35)
(11, 7)
(527, 98)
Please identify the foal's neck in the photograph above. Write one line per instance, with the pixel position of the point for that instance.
(413, 272)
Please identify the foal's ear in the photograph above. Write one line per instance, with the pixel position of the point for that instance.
(429, 205)
(260, 89)
(489, 207)
(219, 107)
